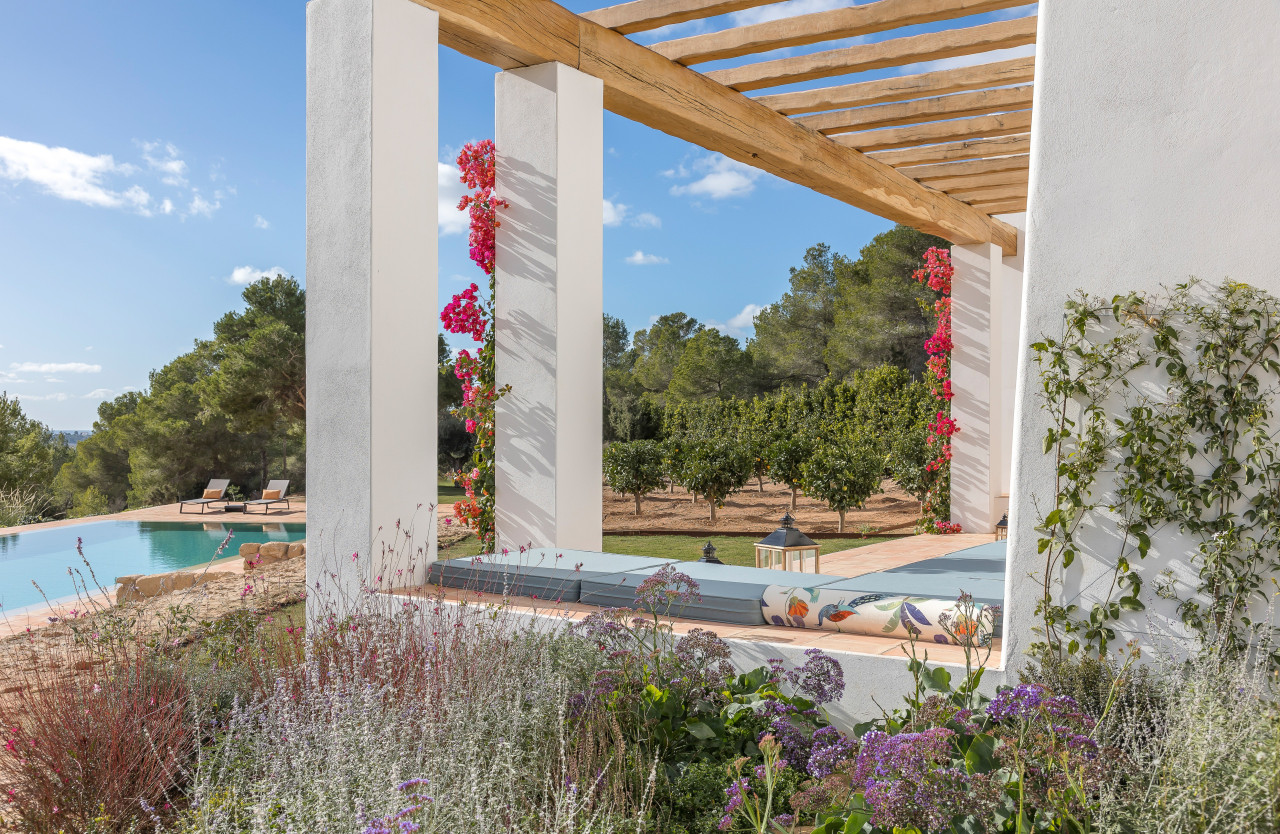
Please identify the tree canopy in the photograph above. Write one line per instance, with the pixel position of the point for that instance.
(839, 317)
(232, 407)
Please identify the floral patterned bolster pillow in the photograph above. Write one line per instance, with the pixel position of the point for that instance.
(874, 614)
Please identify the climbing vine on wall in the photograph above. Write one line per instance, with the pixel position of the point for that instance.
(471, 314)
(1163, 429)
(936, 507)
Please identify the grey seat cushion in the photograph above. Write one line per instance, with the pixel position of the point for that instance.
(976, 570)
(730, 594)
(545, 573)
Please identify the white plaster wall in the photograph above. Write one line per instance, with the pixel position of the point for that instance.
(986, 314)
(1153, 158)
(1009, 329)
(975, 404)
(371, 282)
(550, 297)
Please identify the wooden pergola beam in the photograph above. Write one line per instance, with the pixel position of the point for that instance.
(850, 22)
(927, 134)
(643, 86)
(976, 167)
(643, 15)
(891, 53)
(921, 110)
(990, 194)
(954, 185)
(1003, 206)
(903, 88)
(948, 151)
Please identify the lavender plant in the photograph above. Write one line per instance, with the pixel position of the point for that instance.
(458, 698)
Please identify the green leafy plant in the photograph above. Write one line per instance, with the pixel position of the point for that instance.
(845, 475)
(633, 468)
(1194, 449)
(787, 459)
(911, 453)
(715, 469)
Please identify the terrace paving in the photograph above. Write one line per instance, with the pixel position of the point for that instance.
(297, 514)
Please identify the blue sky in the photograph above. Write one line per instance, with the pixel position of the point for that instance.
(152, 160)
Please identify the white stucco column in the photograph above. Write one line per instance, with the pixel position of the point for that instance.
(986, 311)
(975, 375)
(371, 289)
(550, 140)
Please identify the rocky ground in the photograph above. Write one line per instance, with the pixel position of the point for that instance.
(178, 613)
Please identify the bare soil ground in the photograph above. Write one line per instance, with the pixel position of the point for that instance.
(752, 510)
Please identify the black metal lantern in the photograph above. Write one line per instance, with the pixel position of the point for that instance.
(785, 542)
(1002, 527)
(709, 554)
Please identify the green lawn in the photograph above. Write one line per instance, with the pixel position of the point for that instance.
(732, 550)
(448, 493)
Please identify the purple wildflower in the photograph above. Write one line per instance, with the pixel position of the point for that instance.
(830, 748)
(1019, 702)
(909, 780)
(664, 588)
(821, 679)
(737, 795)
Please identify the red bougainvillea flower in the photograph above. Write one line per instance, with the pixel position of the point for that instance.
(936, 275)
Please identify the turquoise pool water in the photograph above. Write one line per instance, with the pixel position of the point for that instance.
(118, 548)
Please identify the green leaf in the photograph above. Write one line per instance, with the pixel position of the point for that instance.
(981, 755)
(699, 730)
(857, 821)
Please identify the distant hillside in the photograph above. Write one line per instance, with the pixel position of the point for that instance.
(73, 437)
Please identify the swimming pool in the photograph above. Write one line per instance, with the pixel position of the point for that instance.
(117, 548)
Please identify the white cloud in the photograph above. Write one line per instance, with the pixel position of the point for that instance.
(166, 207)
(645, 220)
(54, 367)
(172, 170)
(721, 178)
(452, 221)
(244, 275)
(777, 11)
(53, 379)
(60, 397)
(639, 258)
(65, 173)
(261, 222)
(100, 394)
(138, 197)
(90, 347)
(199, 205)
(738, 325)
(614, 213)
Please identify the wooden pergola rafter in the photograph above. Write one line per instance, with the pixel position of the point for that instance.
(941, 150)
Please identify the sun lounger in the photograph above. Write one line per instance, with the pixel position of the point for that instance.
(276, 493)
(214, 493)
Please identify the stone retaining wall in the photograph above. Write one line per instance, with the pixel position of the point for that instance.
(268, 553)
(140, 586)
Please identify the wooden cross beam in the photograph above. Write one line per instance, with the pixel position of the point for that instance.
(641, 85)
(801, 30)
(897, 52)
